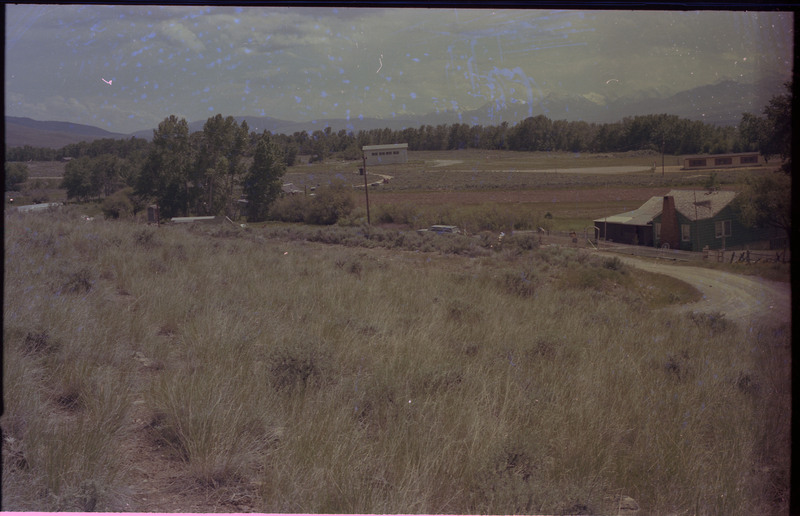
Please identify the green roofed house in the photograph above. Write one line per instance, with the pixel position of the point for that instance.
(683, 219)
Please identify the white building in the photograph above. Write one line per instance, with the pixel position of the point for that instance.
(386, 154)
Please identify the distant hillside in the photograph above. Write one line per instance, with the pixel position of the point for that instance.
(25, 131)
(719, 104)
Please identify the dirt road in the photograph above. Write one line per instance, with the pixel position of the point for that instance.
(744, 299)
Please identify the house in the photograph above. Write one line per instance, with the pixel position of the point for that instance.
(385, 154)
(743, 159)
(689, 220)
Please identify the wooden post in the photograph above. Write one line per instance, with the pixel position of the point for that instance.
(366, 186)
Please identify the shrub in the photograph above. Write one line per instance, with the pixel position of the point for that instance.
(329, 204)
(613, 263)
(715, 322)
(118, 204)
(16, 174)
(290, 208)
(78, 280)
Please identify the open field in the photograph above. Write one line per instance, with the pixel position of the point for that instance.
(508, 170)
(213, 368)
(573, 188)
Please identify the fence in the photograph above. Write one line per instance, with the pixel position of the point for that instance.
(586, 240)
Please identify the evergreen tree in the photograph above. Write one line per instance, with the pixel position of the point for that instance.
(262, 184)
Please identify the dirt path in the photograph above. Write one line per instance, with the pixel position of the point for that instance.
(745, 299)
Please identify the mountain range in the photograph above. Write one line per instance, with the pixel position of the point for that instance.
(719, 104)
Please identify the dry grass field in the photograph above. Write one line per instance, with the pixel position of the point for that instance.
(321, 370)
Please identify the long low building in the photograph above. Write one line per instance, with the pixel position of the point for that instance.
(385, 154)
(742, 159)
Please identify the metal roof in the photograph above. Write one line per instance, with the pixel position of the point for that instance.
(387, 146)
(701, 204)
(692, 204)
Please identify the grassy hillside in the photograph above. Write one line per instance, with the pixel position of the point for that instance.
(213, 369)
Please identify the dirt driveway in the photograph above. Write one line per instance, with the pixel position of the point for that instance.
(744, 299)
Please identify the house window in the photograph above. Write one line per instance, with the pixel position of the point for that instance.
(748, 159)
(697, 163)
(686, 233)
(723, 161)
(722, 228)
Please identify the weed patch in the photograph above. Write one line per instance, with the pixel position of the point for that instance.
(714, 322)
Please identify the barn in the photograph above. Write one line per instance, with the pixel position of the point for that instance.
(689, 220)
(744, 159)
(385, 154)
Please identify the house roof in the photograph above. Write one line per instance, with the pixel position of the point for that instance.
(701, 204)
(728, 155)
(692, 204)
(641, 216)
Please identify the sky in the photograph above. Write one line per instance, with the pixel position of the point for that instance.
(125, 68)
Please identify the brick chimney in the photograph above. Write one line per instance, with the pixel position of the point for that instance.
(670, 231)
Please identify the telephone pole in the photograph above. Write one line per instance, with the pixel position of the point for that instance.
(366, 187)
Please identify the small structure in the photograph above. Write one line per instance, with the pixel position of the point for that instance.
(690, 220)
(203, 220)
(441, 229)
(385, 154)
(38, 207)
(742, 159)
(152, 214)
(290, 189)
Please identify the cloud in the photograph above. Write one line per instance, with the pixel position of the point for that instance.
(243, 60)
(181, 36)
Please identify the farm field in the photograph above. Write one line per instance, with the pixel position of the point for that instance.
(223, 369)
(525, 185)
(516, 190)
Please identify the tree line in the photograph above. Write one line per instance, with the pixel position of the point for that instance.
(225, 165)
(664, 133)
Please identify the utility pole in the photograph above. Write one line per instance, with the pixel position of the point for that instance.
(366, 187)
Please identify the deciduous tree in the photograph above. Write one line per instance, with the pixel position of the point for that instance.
(164, 177)
(16, 174)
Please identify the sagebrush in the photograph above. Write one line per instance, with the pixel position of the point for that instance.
(273, 372)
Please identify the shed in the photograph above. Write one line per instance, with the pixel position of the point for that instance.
(632, 227)
(385, 154)
(38, 207)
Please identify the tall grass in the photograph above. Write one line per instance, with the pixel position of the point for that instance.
(280, 374)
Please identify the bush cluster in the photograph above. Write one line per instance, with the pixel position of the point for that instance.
(326, 207)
